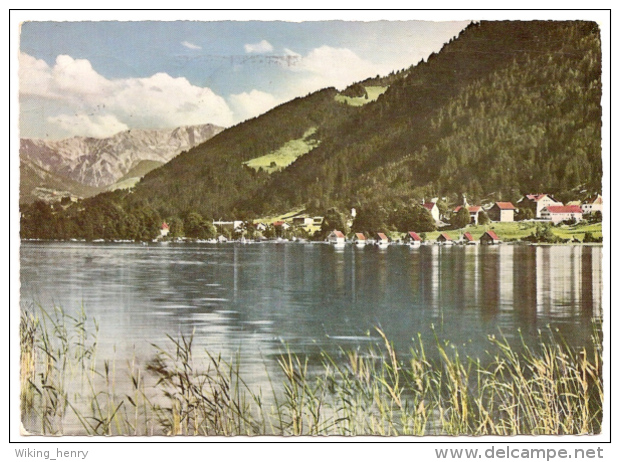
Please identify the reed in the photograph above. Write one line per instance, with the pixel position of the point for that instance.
(547, 388)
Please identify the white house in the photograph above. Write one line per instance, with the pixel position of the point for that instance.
(359, 239)
(165, 229)
(230, 225)
(413, 239)
(502, 211)
(558, 213)
(336, 238)
(537, 202)
(303, 221)
(382, 239)
(593, 204)
(432, 207)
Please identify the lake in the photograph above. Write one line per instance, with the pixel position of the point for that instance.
(252, 302)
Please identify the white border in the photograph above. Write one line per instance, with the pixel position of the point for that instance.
(104, 450)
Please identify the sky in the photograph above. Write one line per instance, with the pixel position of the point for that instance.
(96, 78)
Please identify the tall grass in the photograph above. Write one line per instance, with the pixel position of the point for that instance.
(547, 388)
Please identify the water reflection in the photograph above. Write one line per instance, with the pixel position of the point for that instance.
(253, 299)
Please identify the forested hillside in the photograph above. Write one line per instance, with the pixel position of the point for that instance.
(506, 108)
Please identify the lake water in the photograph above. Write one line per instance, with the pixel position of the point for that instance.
(254, 301)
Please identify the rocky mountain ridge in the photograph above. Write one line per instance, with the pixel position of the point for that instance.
(100, 162)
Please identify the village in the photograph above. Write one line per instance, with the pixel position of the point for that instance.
(532, 211)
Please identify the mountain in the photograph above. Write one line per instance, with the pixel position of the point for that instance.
(37, 183)
(99, 163)
(506, 108)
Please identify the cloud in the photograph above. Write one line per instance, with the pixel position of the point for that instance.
(99, 126)
(251, 104)
(86, 103)
(329, 67)
(191, 46)
(261, 47)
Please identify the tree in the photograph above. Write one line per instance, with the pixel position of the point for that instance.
(443, 207)
(425, 221)
(198, 228)
(333, 219)
(483, 218)
(370, 220)
(176, 227)
(524, 213)
(461, 218)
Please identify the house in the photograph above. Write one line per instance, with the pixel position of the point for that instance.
(432, 208)
(165, 229)
(229, 225)
(537, 202)
(260, 226)
(502, 211)
(474, 211)
(489, 237)
(559, 213)
(445, 239)
(593, 204)
(382, 239)
(302, 221)
(359, 239)
(336, 238)
(413, 239)
(468, 239)
(281, 224)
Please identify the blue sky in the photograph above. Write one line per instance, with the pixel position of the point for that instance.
(98, 78)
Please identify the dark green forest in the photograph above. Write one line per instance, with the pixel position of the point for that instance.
(506, 108)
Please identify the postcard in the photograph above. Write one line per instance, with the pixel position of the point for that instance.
(341, 228)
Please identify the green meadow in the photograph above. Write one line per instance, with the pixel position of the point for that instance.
(520, 229)
(286, 155)
(373, 93)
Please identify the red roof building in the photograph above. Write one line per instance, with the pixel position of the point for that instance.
(593, 204)
(559, 213)
(489, 237)
(443, 237)
(467, 237)
(537, 202)
(359, 239)
(413, 236)
(336, 237)
(165, 229)
(382, 238)
(433, 209)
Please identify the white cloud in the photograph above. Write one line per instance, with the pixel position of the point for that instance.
(261, 47)
(247, 105)
(329, 67)
(34, 76)
(191, 46)
(99, 126)
(101, 107)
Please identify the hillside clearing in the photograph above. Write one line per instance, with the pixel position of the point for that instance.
(286, 155)
(373, 93)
